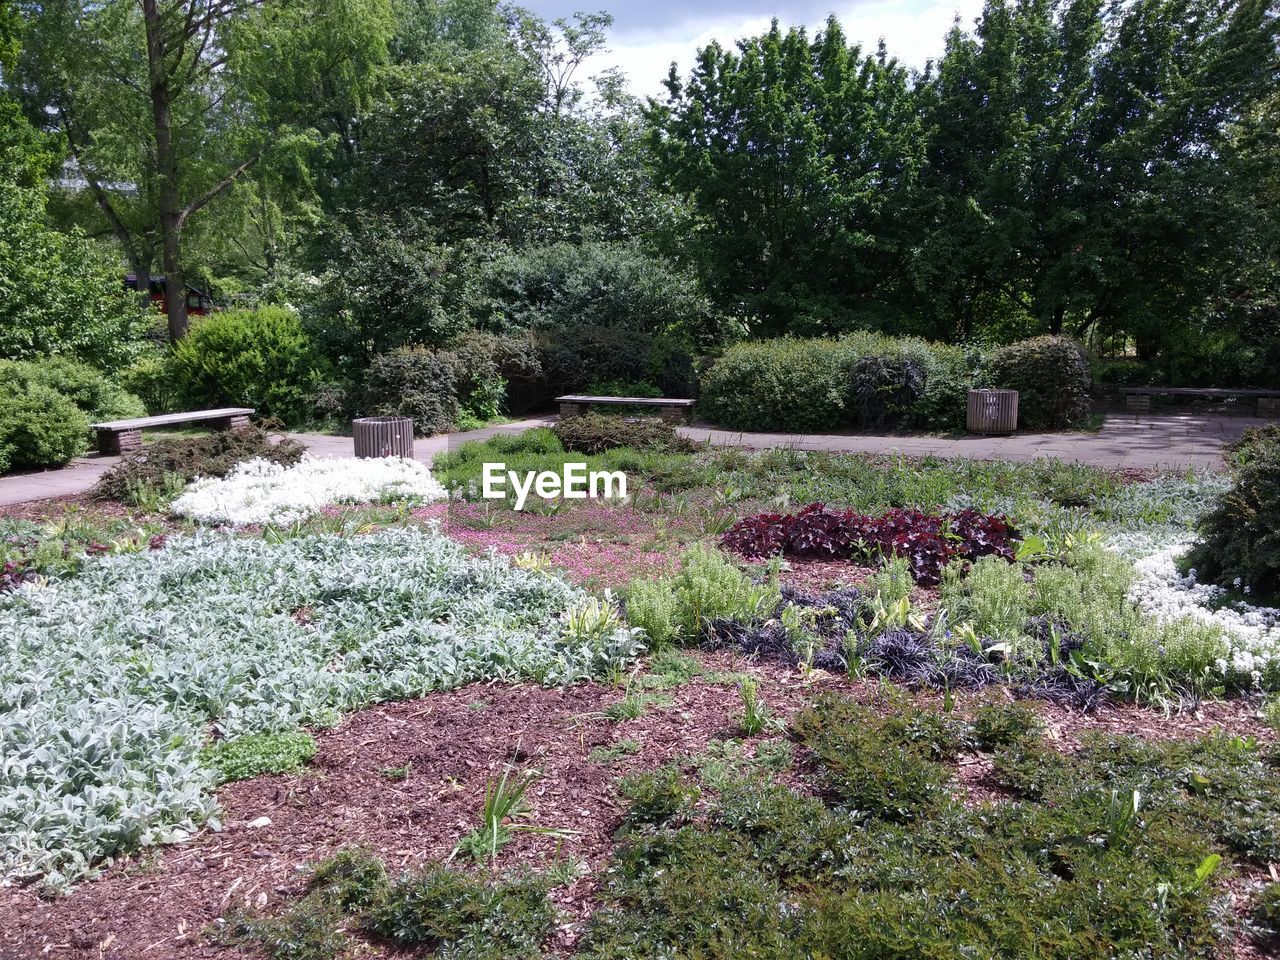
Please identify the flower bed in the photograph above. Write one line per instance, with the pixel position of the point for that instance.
(109, 680)
(1252, 633)
(263, 492)
(928, 541)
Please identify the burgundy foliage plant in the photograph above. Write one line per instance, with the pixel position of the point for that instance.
(928, 541)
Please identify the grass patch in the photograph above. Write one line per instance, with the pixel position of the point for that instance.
(258, 754)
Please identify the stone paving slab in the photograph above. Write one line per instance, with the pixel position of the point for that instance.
(1139, 441)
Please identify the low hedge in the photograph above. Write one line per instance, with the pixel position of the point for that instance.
(868, 381)
(862, 380)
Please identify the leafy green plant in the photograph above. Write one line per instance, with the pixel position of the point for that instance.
(625, 747)
(1240, 547)
(593, 433)
(755, 712)
(997, 725)
(503, 815)
(656, 797)
(257, 754)
(39, 427)
(397, 774)
(1266, 911)
(260, 358)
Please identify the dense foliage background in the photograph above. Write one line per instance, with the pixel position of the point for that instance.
(439, 176)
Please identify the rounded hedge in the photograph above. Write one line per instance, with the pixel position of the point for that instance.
(39, 427)
(1051, 375)
(259, 358)
(1240, 537)
(94, 394)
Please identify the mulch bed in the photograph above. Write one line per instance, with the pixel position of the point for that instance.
(161, 903)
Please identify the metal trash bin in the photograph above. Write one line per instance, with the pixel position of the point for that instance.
(993, 411)
(383, 436)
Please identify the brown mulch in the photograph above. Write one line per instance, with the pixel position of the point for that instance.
(161, 903)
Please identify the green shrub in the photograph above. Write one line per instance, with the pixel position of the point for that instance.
(257, 754)
(880, 765)
(708, 586)
(861, 380)
(151, 379)
(40, 427)
(186, 458)
(261, 358)
(418, 383)
(1051, 375)
(595, 433)
(656, 797)
(463, 915)
(95, 394)
(1000, 724)
(1239, 545)
(1266, 912)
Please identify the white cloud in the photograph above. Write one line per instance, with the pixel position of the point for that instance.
(913, 32)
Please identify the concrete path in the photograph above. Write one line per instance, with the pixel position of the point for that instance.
(1175, 441)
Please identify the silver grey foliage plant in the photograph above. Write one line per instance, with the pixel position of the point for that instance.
(110, 680)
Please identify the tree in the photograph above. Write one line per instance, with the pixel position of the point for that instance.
(166, 104)
(798, 158)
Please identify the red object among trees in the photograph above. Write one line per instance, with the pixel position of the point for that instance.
(198, 302)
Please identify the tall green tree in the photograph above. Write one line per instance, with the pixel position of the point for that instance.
(166, 104)
(798, 157)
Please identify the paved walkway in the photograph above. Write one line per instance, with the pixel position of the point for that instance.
(1175, 441)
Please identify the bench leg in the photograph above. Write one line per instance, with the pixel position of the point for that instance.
(572, 410)
(1136, 404)
(230, 423)
(1269, 406)
(115, 443)
(674, 414)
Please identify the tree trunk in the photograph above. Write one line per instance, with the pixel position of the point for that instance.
(142, 271)
(171, 215)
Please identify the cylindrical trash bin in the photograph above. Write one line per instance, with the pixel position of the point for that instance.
(993, 411)
(383, 436)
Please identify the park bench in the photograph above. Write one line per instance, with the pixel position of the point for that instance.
(1138, 399)
(671, 409)
(124, 436)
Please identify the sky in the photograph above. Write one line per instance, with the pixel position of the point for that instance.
(648, 34)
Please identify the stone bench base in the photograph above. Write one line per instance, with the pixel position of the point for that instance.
(116, 443)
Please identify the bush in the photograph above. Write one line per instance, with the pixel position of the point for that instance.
(97, 397)
(1051, 375)
(254, 358)
(1266, 912)
(594, 433)
(862, 380)
(418, 383)
(707, 587)
(40, 427)
(577, 355)
(60, 293)
(151, 379)
(214, 455)
(1240, 538)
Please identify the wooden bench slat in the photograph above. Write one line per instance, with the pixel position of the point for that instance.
(1198, 392)
(629, 401)
(164, 419)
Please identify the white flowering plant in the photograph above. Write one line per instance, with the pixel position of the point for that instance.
(110, 679)
(261, 492)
